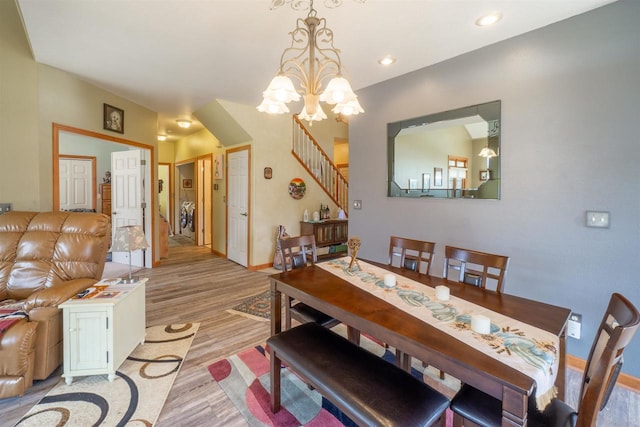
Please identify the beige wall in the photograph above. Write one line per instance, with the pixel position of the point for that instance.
(33, 97)
(20, 158)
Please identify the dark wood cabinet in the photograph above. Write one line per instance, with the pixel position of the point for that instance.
(105, 192)
(331, 233)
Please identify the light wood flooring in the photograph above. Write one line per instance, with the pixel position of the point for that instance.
(195, 286)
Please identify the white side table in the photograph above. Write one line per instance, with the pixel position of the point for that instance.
(99, 333)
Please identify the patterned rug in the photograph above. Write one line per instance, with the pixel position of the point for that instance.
(257, 307)
(244, 377)
(135, 397)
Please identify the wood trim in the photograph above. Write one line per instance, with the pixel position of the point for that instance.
(171, 191)
(624, 380)
(260, 267)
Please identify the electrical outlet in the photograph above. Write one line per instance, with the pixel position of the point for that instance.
(598, 219)
(574, 325)
(5, 207)
(357, 204)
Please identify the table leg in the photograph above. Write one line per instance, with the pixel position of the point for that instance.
(276, 309)
(275, 367)
(562, 365)
(514, 407)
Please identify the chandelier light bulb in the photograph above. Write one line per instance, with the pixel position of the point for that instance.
(351, 108)
(272, 107)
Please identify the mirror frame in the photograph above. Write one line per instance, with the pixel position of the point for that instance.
(489, 189)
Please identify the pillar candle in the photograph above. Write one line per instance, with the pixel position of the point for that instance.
(481, 324)
(442, 293)
(389, 280)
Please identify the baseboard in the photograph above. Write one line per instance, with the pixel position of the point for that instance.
(260, 267)
(218, 253)
(625, 380)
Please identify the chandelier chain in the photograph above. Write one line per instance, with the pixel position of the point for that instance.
(307, 4)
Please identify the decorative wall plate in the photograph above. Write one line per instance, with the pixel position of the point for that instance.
(297, 188)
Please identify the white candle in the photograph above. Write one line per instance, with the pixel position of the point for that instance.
(442, 293)
(389, 280)
(481, 324)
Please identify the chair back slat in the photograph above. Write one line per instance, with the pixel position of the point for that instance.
(298, 251)
(415, 255)
(484, 266)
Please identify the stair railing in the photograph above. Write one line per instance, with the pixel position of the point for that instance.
(313, 158)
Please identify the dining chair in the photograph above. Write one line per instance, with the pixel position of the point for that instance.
(411, 254)
(298, 252)
(484, 266)
(617, 327)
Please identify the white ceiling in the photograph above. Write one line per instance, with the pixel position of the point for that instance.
(175, 56)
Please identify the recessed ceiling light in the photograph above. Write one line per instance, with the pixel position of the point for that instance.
(387, 60)
(183, 123)
(489, 19)
(162, 137)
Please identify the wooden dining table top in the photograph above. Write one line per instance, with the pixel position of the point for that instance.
(371, 315)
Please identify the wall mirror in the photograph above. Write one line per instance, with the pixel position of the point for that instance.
(452, 154)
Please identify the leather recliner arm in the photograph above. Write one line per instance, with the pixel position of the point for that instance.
(51, 297)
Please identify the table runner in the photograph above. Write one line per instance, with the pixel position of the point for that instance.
(531, 350)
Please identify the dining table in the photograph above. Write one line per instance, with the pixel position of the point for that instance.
(365, 313)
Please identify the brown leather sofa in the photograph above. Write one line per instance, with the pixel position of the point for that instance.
(45, 259)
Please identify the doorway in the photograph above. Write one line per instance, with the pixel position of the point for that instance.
(238, 215)
(77, 183)
(80, 142)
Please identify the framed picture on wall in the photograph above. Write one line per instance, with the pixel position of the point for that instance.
(437, 177)
(113, 118)
(187, 183)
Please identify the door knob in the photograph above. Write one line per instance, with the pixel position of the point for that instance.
(244, 214)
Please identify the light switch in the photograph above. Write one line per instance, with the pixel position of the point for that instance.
(598, 219)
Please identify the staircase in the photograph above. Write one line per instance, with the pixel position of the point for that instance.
(313, 158)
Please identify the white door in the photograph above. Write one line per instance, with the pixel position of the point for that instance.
(126, 198)
(76, 184)
(238, 206)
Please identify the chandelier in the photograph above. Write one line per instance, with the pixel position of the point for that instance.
(311, 60)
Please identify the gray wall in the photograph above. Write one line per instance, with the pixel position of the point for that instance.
(570, 97)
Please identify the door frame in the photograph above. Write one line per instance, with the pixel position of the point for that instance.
(249, 214)
(204, 222)
(168, 187)
(151, 218)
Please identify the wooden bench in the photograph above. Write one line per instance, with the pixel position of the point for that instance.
(368, 389)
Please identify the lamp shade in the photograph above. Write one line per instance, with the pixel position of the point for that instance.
(129, 238)
(338, 91)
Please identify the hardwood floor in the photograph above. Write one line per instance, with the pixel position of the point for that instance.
(195, 286)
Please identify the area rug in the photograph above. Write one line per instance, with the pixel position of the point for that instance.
(257, 307)
(135, 397)
(244, 377)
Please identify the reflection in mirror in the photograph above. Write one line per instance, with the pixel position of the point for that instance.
(453, 154)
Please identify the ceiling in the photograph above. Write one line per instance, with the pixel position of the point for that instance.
(176, 56)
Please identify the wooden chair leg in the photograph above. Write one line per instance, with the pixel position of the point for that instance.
(287, 313)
